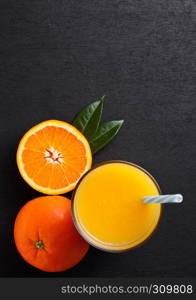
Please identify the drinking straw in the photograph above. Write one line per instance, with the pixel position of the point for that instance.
(177, 198)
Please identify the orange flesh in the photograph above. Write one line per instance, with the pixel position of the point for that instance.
(54, 158)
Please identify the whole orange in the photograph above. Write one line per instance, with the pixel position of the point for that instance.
(45, 235)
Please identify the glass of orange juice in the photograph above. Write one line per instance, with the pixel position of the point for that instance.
(107, 206)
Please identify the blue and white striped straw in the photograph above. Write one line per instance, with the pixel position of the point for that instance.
(177, 198)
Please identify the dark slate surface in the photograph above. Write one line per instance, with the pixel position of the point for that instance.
(57, 56)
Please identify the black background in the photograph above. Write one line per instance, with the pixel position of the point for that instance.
(56, 57)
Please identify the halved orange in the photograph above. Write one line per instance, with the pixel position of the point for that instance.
(52, 156)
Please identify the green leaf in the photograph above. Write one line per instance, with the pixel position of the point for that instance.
(88, 119)
(105, 133)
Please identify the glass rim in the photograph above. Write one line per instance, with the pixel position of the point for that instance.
(82, 233)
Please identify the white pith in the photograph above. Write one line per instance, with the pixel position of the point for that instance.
(53, 156)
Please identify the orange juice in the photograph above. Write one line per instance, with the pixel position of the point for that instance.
(108, 209)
